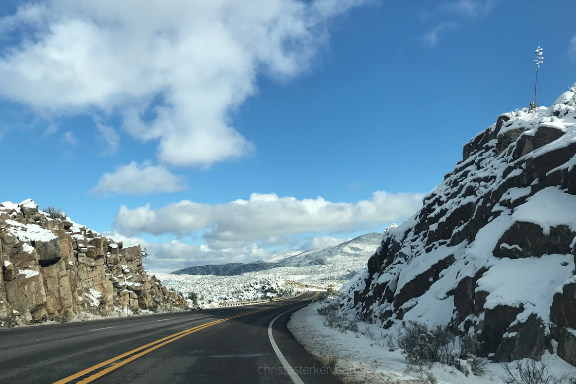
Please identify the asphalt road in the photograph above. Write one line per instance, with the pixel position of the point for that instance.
(221, 345)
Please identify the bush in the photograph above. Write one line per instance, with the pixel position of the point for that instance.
(330, 307)
(430, 379)
(331, 364)
(333, 320)
(193, 296)
(55, 213)
(423, 346)
(8, 322)
(528, 372)
(469, 346)
(478, 365)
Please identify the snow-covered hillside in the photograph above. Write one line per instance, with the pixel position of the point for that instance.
(318, 268)
(492, 251)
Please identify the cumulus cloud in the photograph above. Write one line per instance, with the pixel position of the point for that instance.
(175, 255)
(264, 216)
(139, 179)
(172, 69)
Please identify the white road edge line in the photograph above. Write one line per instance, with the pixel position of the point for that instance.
(99, 329)
(288, 369)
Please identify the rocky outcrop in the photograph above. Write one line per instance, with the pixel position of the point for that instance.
(53, 268)
(492, 252)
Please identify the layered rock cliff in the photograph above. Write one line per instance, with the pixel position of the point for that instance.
(492, 252)
(55, 269)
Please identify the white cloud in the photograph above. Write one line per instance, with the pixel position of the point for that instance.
(175, 255)
(470, 8)
(432, 37)
(110, 137)
(572, 48)
(460, 9)
(200, 58)
(139, 179)
(70, 138)
(322, 242)
(265, 216)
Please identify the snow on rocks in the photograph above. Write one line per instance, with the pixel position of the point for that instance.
(55, 269)
(365, 357)
(492, 251)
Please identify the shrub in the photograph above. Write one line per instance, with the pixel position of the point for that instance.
(330, 307)
(55, 213)
(478, 366)
(416, 343)
(430, 378)
(469, 346)
(331, 364)
(528, 372)
(423, 346)
(8, 322)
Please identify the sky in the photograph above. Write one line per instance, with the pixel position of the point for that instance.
(227, 131)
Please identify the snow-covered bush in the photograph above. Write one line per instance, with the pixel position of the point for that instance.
(423, 346)
(333, 320)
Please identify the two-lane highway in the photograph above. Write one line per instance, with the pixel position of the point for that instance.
(248, 344)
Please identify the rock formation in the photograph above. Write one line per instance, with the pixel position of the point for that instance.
(54, 269)
(492, 252)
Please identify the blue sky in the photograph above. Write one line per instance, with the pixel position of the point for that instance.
(151, 122)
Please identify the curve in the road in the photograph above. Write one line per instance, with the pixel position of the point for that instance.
(90, 374)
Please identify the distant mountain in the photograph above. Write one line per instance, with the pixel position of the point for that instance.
(358, 249)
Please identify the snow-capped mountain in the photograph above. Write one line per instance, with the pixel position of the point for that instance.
(492, 251)
(355, 251)
(291, 271)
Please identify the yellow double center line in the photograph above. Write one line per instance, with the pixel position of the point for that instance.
(90, 374)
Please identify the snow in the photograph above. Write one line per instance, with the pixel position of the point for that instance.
(93, 297)
(28, 203)
(27, 248)
(29, 232)
(292, 271)
(529, 283)
(533, 283)
(548, 207)
(7, 263)
(28, 273)
(8, 205)
(213, 290)
(364, 357)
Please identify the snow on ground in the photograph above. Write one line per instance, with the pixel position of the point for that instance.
(363, 356)
(297, 271)
(212, 290)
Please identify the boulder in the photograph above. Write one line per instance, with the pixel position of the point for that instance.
(567, 345)
(422, 282)
(48, 251)
(523, 340)
(525, 239)
(527, 143)
(496, 323)
(563, 308)
(507, 138)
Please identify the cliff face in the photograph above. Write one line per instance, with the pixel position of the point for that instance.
(492, 251)
(54, 269)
